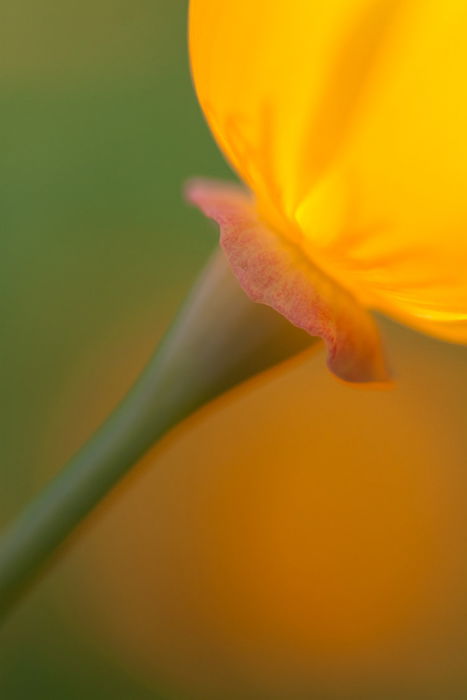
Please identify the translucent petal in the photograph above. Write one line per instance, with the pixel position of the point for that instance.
(348, 120)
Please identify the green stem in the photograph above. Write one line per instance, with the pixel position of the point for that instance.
(219, 339)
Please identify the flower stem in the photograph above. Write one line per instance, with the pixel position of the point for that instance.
(219, 339)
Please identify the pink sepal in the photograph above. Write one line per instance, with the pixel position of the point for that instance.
(275, 272)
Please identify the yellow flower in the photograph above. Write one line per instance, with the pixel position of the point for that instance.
(347, 120)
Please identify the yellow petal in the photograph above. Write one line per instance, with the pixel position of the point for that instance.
(348, 120)
(281, 82)
(273, 272)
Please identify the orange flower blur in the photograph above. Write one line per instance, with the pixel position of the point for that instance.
(347, 121)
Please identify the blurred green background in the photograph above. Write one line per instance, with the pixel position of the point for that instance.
(317, 548)
(100, 128)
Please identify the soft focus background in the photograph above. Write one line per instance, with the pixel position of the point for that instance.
(297, 539)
